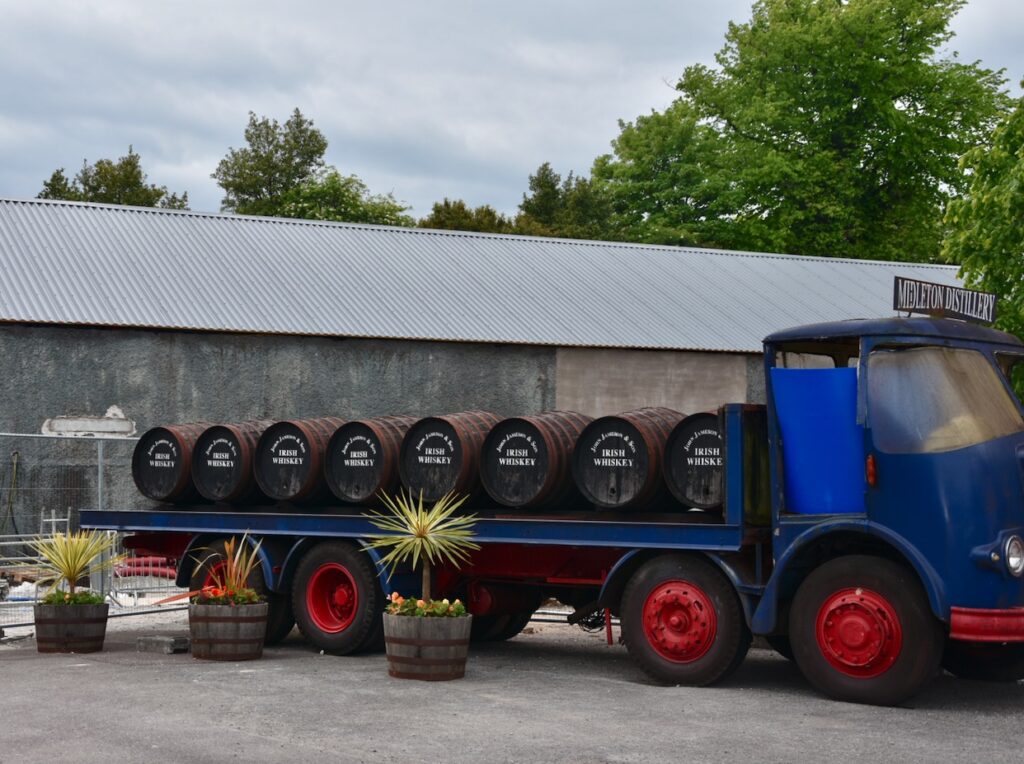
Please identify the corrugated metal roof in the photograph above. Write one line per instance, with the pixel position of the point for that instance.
(100, 265)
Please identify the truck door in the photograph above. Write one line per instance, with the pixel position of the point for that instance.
(943, 434)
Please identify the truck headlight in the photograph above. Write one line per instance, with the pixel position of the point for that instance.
(1013, 553)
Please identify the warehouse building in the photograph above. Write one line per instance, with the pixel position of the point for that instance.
(171, 316)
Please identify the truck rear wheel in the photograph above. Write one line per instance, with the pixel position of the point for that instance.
(280, 620)
(499, 628)
(337, 598)
(682, 622)
(985, 661)
(862, 631)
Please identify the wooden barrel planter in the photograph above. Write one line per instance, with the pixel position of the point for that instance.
(70, 628)
(222, 463)
(441, 455)
(526, 461)
(362, 458)
(695, 462)
(227, 633)
(429, 649)
(617, 460)
(290, 458)
(162, 462)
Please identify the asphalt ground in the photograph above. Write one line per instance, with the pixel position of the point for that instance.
(552, 694)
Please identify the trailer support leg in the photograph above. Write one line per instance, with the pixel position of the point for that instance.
(608, 625)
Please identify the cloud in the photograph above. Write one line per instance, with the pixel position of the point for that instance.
(454, 98)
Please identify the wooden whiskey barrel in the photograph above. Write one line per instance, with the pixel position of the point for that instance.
(617, 460)
(70, 628)
(695, 462)
(227, 633)
(162, 462)
(290, 458)
(222, 462)
(429, 649)
(362, 458)
(440, 455)
(526, 461)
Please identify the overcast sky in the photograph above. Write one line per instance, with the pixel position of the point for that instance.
(456, 98)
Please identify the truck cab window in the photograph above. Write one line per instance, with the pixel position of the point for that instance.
(1012, 366)
(934, 399)
(835, 353)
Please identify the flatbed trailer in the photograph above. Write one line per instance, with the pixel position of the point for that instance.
(918, 561)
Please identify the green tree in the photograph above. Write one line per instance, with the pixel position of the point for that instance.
(277, 160)
(574, 208)
(109, 182)
(828, 128)
(985, 231)
(544, 202)
(458, 216)
(333, 196)
(666, 183)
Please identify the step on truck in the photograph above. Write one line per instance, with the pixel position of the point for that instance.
(871, 531)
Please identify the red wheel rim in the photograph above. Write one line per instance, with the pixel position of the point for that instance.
(859, 633)
(332, 597)
(680, 622)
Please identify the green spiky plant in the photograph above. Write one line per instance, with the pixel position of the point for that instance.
(230, 574)
(67, 557)
(423, 537)
(229, 571)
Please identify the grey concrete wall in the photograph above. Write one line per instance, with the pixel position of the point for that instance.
(161, 377)
(756, 389)
(602, 382)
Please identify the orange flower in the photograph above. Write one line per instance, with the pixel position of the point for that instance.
(420, 603)
(395, 596)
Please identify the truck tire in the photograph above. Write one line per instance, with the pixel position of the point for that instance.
(280, 621)
(984, 661)
(682, 621)
(498, 628)
(337, 599)
(862, 631)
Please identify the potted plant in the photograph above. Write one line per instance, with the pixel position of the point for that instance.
(227, 620)
(69, 619)
(424, 638)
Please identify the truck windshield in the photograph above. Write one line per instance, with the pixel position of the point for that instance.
(932, 399)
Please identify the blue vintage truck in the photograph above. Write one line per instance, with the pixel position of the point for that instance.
(872, 530)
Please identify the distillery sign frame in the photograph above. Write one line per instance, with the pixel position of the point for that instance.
(943, 300)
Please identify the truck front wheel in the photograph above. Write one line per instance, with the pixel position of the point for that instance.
(682, 622)
(862, 631)
(337, 598)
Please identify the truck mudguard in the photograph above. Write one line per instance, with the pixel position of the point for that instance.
(615, 582)
(766, 614)
(193, 555)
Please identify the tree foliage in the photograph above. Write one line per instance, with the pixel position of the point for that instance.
(110, 182)
(666, 183)
(333, 196)
(986, 235)
(281, 172)
(574, 208)
(456, 215)
(277, 160)
(828, 128)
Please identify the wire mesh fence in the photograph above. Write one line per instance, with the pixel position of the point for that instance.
(45, 481)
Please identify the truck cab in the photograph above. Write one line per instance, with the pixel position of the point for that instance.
(897, 494)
